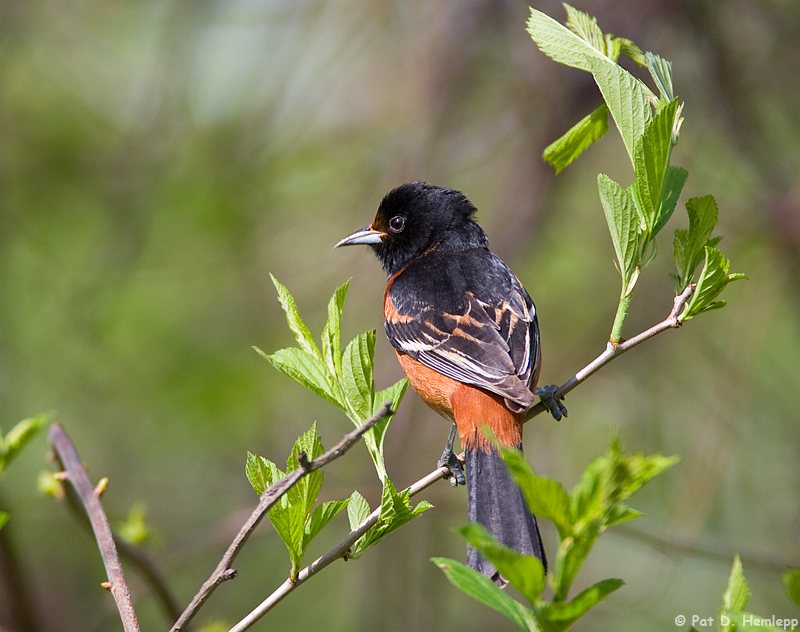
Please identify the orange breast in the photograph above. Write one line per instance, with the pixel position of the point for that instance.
(468, 406)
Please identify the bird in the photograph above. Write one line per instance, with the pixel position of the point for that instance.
(466, 334)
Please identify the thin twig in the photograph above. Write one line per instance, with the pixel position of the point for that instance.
(76, 475)
(138, 559)
(615, 350)
(339, 551)
(268, 498)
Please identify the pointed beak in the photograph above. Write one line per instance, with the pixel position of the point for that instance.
(366, 235)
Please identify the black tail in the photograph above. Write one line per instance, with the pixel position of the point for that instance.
(497, 503)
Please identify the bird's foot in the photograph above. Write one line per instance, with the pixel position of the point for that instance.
(451, 462)
(554, 406)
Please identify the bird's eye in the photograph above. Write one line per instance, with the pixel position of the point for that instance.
(397, 223)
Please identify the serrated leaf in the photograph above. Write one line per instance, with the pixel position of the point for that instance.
(357, 365)
(689, 244)
(524, 572)
(396, 510)
(560, 44)
(791, 584)
(622, 219)
(545, 497)
(304, 493)
(261, 472)
(331, 334)
(321, 516)
(307, 370)
(557, 616)
(626, 99)
(588, 130)
(585, 27)
(674, 180)
(737, 594)
(393, 394)
(651, 159)
(296, 324)
(661, 71)
(713, 279)
(358, 510)
(483, 589)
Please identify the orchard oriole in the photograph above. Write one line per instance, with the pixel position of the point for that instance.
(466, 334)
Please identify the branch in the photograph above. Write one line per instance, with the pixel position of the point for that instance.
(138, 559)
(271, 495)
(341, 550)
(615, 350)
(76, 475)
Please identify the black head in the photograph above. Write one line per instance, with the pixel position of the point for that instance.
(416, 217)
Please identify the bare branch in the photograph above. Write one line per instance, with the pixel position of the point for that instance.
(271, 495)
(76, 475)
(613, 351)
(339, 551)
(138, 558)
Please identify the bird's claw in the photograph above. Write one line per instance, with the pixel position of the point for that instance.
(451, 462)
(554, 405)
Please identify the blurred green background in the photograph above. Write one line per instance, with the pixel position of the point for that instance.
(159, 158)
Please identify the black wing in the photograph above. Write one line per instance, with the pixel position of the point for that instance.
(467, 316)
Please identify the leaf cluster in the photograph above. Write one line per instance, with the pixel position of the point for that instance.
(295, 517)
(344, 378)
(580, 516)
(649, 122)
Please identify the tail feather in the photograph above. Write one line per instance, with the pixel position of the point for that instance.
(497, 503)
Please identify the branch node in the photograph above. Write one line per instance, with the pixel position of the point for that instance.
(302, 459)
(61, 476)
(229, 573)
(107, 585)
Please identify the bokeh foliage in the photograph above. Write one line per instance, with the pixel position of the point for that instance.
(159, 159)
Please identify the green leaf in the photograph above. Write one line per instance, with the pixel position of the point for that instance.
(713, 279)
(626, 99)
(545, 497)
(321, 516)
(562, 45)
(737, 594)
(357, 365)
(396, 510)
(661, 71)
(395, 395)
(586, 28)
(135, 530)
(332, 335)
(486, 591)
(18, 436)
(572, 144)
(622, 219)
(261, 472)
(674, 180)
(358, 510)
(690, 244)
(791, 584)
(572, 553)
(651, 159)
(557, 616)
(307, 370)
(524, 572)
(296, 324)
(304, 493)
(4, 516)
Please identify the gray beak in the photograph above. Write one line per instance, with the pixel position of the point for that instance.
(366, 235)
